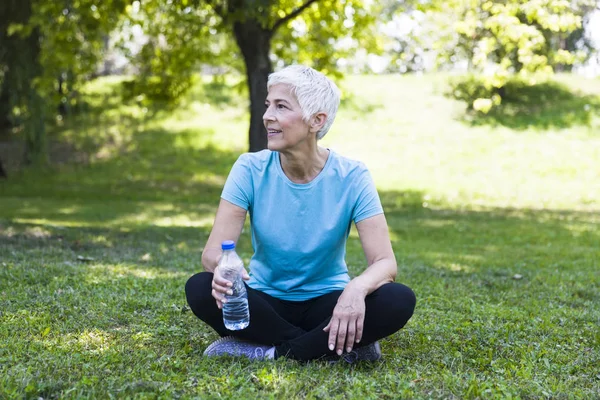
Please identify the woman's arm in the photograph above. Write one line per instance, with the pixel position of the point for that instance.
(228, 225)
(346, 325)
(381, 261)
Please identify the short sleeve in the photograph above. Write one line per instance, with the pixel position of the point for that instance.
(367, 203)
(238, 187)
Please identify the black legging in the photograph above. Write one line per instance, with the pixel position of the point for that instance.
(296, 327)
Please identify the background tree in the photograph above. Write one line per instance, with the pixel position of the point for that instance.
(576, 40)
(48, 49)
(174, 39)
(514, 38)
(21, 66)
(263, 31)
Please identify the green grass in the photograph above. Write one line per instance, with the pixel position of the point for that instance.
(494, 228)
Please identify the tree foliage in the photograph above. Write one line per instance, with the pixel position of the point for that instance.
(514, 36)
(325, 34)
(522, 38)
(248, 36)
(48, 49)
(177, 38)
(21, 66)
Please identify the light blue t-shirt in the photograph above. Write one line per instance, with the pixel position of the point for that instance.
(299, 231)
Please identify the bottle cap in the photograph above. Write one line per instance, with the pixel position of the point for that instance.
(228, 245)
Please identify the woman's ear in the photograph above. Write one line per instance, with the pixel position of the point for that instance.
(317, 121)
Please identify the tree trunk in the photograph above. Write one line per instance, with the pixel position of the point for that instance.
(22, 67)
(34, 126)
(35, 131)
(5, 99)
(5, 106)
(254, 42)
(2, 171)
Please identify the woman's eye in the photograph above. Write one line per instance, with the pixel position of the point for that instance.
(280, 106)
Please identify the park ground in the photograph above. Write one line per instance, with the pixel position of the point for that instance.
(494, 221)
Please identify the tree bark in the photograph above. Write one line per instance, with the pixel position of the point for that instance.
(35, 131)
(5, 100)
(34, 126)
(254, 42)
(2, 171)
(5, 106)
(22, 66)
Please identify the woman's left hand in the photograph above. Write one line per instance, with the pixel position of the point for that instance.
(346, 325)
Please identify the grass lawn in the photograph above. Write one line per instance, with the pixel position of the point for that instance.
(494, 224)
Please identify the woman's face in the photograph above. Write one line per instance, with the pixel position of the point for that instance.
(283, 119)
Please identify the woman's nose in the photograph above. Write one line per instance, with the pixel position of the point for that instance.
(268, 115)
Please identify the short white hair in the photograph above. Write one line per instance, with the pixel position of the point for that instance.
(313, 90)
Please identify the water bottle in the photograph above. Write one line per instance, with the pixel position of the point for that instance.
(236, 314)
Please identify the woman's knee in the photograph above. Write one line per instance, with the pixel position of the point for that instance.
(406, 296)
(198, 289)
(399, 300)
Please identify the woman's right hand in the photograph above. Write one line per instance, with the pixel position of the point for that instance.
(222, 286)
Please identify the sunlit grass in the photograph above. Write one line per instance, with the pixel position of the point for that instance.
(494, 229)
(414, 139)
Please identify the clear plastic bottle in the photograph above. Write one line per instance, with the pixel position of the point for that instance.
(236, 314)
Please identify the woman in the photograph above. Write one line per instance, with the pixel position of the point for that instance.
(302, 199)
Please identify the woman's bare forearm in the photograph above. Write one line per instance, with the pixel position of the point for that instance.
(210, 255)
(376, 275)
(228, 225)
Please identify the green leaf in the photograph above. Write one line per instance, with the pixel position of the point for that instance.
(14, 28)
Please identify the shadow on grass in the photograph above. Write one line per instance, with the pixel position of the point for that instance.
(492, 242)
(218, 92)
(448, 239)
(127, 161)
(542, 106)
(102, 118)
(153, 165)
(487, 242)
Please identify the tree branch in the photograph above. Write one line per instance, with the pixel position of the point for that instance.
(292, 15)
